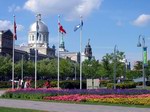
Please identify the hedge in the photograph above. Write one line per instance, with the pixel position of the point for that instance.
(122, 85)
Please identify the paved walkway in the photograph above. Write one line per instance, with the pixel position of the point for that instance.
(2, 92)
(64, 107)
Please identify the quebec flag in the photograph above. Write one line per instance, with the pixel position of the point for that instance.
(78, 26)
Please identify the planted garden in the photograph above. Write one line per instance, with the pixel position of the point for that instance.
(118, 96)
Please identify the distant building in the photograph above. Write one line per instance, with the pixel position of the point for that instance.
(41, 42)
(28, 52)
(74, 56)
(87, 54)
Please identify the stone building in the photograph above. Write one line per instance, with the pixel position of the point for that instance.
(28, 52)
(41, 42)
(74, 56)
(87, 54)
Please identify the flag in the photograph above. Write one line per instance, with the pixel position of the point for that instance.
(78, 26)
(61, 29)
(37, 29)
(15, 29)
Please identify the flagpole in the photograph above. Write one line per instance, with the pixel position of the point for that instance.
(80, 53)
(13, 52)
(22, 68)
(13, 64)
(36, 51)
(58, 73)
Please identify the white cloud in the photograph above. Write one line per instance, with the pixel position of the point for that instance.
(70, 8)
(142, 20)
(14, 8)
(5, 25)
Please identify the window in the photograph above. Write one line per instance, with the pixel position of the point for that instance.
(32, 37)
(40, 37)
(44, 39)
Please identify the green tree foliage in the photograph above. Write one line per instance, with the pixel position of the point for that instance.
(108, 64)
(5, 67)
(90, 68)
(43, 68)
(47, 68)
(66, 68)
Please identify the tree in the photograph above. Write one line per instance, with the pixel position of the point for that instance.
(52, 67)
(90, 68)
(66, 68)
(43, 68)
(5, 67)
(29, 69)
(108, 64)
(138, 66)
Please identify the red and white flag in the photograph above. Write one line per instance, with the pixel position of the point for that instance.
(15, 29)
(61, 29)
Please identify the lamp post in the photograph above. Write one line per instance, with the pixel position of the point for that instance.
(144, 55)
(115, 59)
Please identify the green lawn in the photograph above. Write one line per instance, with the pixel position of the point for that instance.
(6, 109)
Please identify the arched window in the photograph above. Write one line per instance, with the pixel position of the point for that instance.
(40, 37)
(32, 37)
(45, 38)
(29, 37)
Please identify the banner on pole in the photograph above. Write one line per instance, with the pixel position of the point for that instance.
(145, 56)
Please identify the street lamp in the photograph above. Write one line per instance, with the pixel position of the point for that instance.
(115, 59)
(144, 55)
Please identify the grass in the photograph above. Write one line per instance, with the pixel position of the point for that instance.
(4, 88)
(8, 109)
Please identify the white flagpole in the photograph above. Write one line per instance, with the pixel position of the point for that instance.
(22, 68)
(37, 27)
(58, 53)
(81, 53)
(13, 64)
(13, 57)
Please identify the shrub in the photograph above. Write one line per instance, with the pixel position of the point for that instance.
(72, 84)
(103, 83)
(40, 83)
(147, 83)
(53, 83)
(5, 84)
(139, 83)
(122, 85)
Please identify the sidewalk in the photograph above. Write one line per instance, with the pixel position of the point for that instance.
(64, 107)
(2, 92)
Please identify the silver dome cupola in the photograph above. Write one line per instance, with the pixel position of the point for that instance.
(43, 37)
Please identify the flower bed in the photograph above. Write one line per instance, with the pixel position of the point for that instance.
(115, 99)
(55, 92)
(138, 97)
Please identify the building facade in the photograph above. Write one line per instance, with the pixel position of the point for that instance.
(41, 42)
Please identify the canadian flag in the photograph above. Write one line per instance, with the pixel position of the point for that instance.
(15, 29)
(61, 29)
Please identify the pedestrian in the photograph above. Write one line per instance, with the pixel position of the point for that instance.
(47, 84)
(26, 84)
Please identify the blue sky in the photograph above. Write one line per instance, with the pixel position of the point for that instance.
(106, 22)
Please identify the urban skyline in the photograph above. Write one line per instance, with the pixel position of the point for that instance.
(106, 23)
